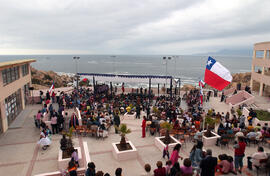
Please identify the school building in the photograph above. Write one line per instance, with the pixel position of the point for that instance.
(15, 81)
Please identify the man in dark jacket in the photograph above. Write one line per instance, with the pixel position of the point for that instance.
(116, 121)
(208, 164)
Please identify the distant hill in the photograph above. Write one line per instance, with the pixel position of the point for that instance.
(230, 52)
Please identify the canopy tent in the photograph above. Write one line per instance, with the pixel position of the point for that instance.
(155, 79)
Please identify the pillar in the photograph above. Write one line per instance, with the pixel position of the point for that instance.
(149, 93)
(3, 116)
(261, 89)
(171, 88)
(22, 97)
(158, 89)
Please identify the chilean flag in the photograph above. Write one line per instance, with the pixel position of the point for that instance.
(216, 75)
(201, 84)
(51, 88)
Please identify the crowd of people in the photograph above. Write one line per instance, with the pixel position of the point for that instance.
(104, 109)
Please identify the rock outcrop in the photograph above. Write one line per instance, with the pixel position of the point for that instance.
(243, 78)
(44, 79)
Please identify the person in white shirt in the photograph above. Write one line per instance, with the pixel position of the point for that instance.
(256, 157)
(239, 134)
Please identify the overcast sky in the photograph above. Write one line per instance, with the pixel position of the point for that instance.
(131, 26)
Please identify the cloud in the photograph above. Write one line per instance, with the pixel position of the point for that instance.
(131, 27)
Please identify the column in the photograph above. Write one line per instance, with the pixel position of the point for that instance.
(3, 116)
(261, 81)
(252, 70)
(22, 97)
(261, 89)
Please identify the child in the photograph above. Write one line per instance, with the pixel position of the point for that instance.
(168, 167)
(166, 151)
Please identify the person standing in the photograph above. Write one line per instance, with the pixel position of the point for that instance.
(74, 122)
(166, 152)
(57, 96)
(38, 118)
(208, 164)
(239, 153)
(138, 111)
(143, 126)
(175, 154)
(116, 121)
(48, 97)
(54, 124)
(148, 111)
(53, 97)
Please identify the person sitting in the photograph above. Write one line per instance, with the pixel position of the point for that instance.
(225, 166)
(72, 169)
(91, 169)
(118, 172)
(251, 136)
(99, 173)
(187, 168)
(198, 135)
(176, 125)
(160, 171)
(259, 155)
(223, 140)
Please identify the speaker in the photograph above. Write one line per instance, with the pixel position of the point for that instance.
(31, 88)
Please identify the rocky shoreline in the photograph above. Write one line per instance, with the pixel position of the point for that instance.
(44, 79)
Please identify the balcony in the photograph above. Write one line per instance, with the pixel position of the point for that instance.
(261, 62)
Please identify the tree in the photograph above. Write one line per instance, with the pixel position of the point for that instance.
(123, 131)
(66, 145)
(210, 123)
(168, 127)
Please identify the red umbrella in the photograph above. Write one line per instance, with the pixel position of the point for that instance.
(85, 80)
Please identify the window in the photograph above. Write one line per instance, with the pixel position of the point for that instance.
(10, 74)
(25, 69)
(13, 106)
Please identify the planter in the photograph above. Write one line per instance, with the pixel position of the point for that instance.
(129, 116)
(160, 145)
(210, 141)
(256, 121)
(63, 162)
(126, 154)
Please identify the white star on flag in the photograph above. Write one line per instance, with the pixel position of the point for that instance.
(209, 62)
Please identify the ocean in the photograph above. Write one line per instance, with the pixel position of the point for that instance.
(189, 68)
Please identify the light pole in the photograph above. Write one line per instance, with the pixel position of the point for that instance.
(175, 57)
(166, 64)
(76, 58)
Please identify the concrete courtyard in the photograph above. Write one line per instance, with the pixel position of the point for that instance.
(20, 154)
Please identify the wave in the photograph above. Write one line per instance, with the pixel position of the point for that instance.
(92, 62)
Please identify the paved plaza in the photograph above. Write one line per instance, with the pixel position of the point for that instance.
(21, 156)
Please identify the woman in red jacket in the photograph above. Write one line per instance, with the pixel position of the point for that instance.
(143, 126)
(239, 153)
